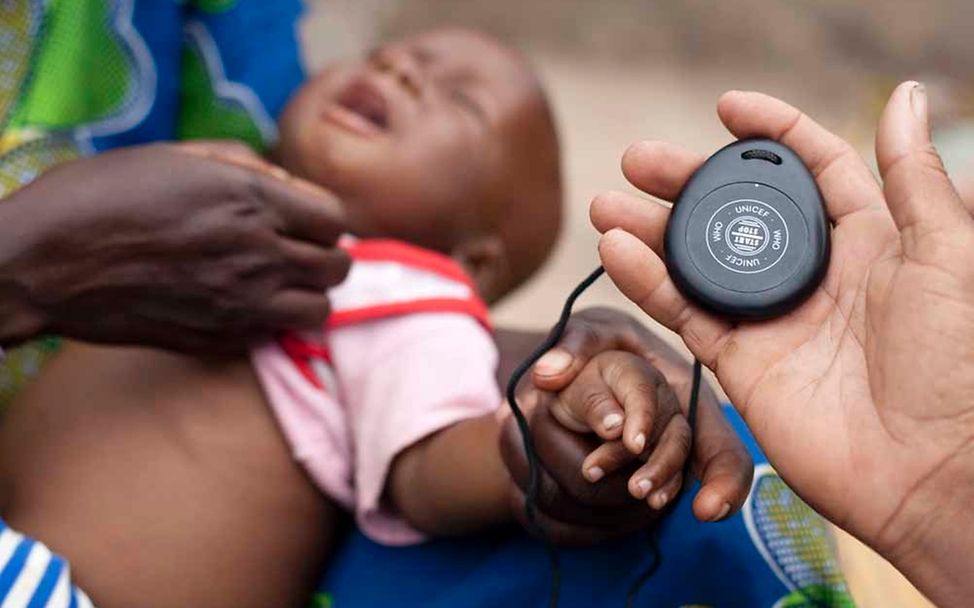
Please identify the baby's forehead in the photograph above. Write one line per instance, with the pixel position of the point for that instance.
(478, 58)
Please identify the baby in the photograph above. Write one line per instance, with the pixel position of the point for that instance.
(443, 150)
(443, 141)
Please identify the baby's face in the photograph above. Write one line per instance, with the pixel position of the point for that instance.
(415, 139)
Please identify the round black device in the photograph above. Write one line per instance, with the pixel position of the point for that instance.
(748, 238)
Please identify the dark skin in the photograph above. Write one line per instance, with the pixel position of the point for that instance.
(457, 105)
(166, 503)
(96, 385)
(131, 461)
(458, 128)
(572, 509)
(198, 264)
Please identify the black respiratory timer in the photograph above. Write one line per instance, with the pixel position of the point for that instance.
(748, 238)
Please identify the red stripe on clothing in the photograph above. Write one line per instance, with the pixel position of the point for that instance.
(301, 352)
(473, 307)
(387, 250)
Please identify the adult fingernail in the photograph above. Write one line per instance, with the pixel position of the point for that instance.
(644, 486)
(918, 101)
(612, 421)
(724, 510)
(553, 362)
(595, 473)
(639, 441)
(658, 500)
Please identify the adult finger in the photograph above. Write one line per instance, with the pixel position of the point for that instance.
(231, 151)
(641, 275)
(644, 219)
(920, 196)
(313, 266)
(296, 309)
(562, 453)
(662, 497)
(846, 182)
(578, 502)
(243, 156)
(660, 168)
(302, 211)
(606, 460)
(666, 460)
(587, 334)
(721, 462)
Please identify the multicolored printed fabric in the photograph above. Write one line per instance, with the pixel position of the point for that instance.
(795, 542)
(81, 76)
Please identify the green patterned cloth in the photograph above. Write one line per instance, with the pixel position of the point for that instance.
(81, 76)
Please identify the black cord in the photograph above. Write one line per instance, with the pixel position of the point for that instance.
(648, 573)
(534, 462)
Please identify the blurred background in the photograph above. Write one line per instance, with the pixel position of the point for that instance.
(619, 71)
(622, 70)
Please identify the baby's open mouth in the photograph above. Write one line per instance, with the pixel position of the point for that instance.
(367, 106)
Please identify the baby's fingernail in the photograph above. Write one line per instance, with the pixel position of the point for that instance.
(612, 421)
(640, 442)
(553, 362)
(658, 500)
(723, 512)
(644, 486)
(594, 474)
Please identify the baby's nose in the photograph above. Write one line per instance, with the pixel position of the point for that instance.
(402, 65)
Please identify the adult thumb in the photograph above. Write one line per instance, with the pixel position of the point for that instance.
(920, 195)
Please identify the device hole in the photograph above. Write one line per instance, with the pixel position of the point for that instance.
(765, 155)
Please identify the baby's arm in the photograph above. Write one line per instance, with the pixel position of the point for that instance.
(454, 481)
(421, 396)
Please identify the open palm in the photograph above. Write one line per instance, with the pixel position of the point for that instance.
(863, 397)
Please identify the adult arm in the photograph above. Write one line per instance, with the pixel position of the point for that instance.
(863, 397)
(165, 246)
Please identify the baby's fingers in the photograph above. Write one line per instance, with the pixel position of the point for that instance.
(589, 403)
(662, 497)
(666, 462)
(606, 459)
(646, 397)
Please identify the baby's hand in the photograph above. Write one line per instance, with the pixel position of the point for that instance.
(628, 403)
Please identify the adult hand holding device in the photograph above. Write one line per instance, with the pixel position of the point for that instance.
(201, 249)
(862, 397)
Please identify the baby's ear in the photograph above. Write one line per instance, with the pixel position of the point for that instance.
(485, 259)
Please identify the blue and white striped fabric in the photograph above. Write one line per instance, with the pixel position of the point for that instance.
(33, 577)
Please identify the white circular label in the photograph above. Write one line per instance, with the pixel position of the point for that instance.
(747, 236)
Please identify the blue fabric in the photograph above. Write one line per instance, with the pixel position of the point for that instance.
(703, 564)
(258, 48)
(42, 594)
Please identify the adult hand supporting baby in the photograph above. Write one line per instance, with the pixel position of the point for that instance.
(863, 397)
(573, 510)
(189, 249)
